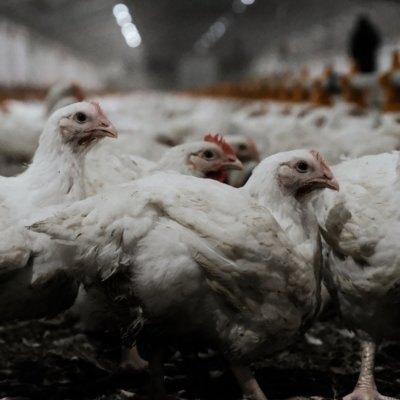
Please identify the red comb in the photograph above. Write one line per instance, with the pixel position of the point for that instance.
(220, 141)
(103, 117)
(317, 156)
(323, 163)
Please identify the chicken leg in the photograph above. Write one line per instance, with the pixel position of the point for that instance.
(366, 388)
(131, 359)
(156, 370)
(249, 385)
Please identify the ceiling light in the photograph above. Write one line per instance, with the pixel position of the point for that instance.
(123, 18)
(119, 8)
(133, 41)
(218, 28)
(128, 29)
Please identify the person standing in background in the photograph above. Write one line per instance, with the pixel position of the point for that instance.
(363, 44)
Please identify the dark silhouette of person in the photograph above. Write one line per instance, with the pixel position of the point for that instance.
(364, 42)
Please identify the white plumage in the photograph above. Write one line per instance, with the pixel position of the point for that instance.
(149, 123)
(210, 158)
(238, 266)
(361, 226)
(360, 223)
(32, 278)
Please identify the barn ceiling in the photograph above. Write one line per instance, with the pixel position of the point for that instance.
(89, 27)
(170, 28)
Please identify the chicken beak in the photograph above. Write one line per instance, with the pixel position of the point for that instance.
(321, 178)
(325, 181)
(328, 178)
(333, 184)
(233, 162)
(102, 130)
(319, 182)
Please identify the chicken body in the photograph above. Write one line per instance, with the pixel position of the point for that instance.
(361, 226)
(149, 123)
(210, 158)
(21, 122)
(201, 159)
(32, 278)
(203, 258)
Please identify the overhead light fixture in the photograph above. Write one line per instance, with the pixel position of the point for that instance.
(120, 8)
(123, 18)
(220, 26)
(218, 29)
(133, 40)
(128, 29)
(131, 35)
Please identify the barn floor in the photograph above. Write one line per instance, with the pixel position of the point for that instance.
(53, 360)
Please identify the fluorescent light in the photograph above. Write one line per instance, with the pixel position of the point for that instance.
(128, 28)
(248, 2)
(218, 28)
(134, 40)
(119, 8)
(123, 18)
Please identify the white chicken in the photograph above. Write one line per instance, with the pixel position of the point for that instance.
(143, 119)
(32, 280)
(190, 256)
(210, 158)
(361, 226)
(21, 122)
(247, 152)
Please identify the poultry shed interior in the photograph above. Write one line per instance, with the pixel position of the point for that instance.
(199, 199)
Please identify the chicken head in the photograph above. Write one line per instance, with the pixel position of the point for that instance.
(84, 123)
(214, 158)
(302, 175)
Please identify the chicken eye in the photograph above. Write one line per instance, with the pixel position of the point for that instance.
(302, 166)
(208, 154)
(80, 117)
(242, 147)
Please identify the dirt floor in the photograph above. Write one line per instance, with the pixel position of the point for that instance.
(53, 360)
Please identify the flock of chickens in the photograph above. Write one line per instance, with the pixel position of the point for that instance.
(174, 233)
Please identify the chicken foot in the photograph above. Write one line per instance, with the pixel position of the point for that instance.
(131, 359)
(248, 383)
(365, 388)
